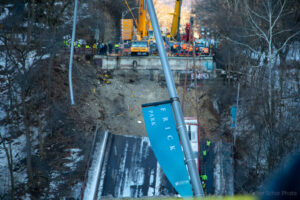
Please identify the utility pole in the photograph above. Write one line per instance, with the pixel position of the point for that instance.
(187, 149)
(72, 52)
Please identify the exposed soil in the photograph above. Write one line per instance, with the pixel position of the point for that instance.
(116, 106)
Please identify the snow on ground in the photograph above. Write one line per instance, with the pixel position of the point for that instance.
(76, 190)
(19, 154)
(45, 56)
(4, 13)
(30, 59)
(294, 52)
(2, 116)
(74, 158)
(53, 185)
(2, 59)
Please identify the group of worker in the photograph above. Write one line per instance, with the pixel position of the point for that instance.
(205, 152)
(176, 49)
(100, 48)
(185, 49)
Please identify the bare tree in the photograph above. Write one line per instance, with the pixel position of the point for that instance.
(256, 37)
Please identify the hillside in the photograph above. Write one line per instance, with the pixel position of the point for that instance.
(252, 107)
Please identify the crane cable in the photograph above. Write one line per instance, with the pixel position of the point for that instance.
(131, 13)
(196, 89)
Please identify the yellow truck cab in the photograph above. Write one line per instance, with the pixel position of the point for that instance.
(140, 48)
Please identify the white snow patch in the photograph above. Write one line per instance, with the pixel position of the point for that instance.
(54, 184)
(2, 59)
(215, 105)
(76, 190)
(18, 154)
(60, 3)
(2, 116)
(45, 56)
(74, 158)
(4, 13)
(30, 59)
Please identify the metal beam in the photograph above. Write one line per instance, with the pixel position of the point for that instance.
(187, 149)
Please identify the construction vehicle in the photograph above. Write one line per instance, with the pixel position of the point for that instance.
(140, 47)
(143, 25)
(127, 29)
(144, 31)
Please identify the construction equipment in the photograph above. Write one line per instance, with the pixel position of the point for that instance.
(176, 21)
(141, 29)
(188, 36)
(144, 24)
(144, 31)
(140, 47)
(126, 29)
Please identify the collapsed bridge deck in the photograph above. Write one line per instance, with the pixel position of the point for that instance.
(202, 63)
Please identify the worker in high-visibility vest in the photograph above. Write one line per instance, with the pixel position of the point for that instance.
(184, 48)
(204, 153)
(203, 185)
(116, 48)
(174, 47)
(204, 177)
(208, 143)
(94, 48)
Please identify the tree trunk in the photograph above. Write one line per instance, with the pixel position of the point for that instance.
(28, 146)
(9, 157)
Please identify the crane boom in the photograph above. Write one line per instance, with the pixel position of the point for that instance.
(176, 20)
(142, 30)
(131, 12)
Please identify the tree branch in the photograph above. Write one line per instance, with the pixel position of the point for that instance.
(287, 40)
(279, 14)
(256, 14)
(242, 44)
(279, 32)
(257, 27)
